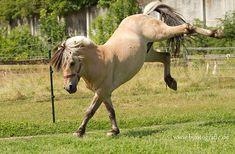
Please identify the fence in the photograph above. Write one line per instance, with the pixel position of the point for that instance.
(214, 62)
(30, 59)
(25, 54)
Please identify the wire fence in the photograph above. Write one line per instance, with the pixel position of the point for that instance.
(32, 57)
(26, 54)
(214, 65)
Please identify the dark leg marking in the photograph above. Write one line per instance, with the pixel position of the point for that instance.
(89, 114)
(115, 130)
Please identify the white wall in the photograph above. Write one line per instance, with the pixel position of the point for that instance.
(191, 9)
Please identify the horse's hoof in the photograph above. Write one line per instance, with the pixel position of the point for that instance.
(77, 134)
(217, 34)
(171, 82)
(113, 133)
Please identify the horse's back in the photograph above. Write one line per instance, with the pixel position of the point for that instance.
(140, 26)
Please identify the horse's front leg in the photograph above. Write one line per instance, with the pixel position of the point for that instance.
(165, 58)
(89, 114)
(109, 106)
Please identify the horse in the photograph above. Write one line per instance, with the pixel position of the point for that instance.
(106, 67)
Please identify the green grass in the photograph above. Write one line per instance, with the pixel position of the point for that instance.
(182, 138)
(198, 118)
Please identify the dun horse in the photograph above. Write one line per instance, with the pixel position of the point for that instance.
(105, 67)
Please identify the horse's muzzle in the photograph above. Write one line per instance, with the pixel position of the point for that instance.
(71, 88)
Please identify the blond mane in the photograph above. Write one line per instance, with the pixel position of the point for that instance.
(59, 50)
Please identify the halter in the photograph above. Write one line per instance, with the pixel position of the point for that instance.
(74, 74)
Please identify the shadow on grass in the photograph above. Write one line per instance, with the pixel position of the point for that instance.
(218, 123)
(143, 133)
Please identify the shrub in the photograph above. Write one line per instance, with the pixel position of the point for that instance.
(104, 26)
(51, 27)
(20, 44)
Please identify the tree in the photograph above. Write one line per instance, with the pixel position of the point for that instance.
(51, 27)
(104, 26)
(18, 9)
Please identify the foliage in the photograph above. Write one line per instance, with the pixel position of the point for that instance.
(63, 7)
(229, 25)
(105, 3)
(104, 26)
(51, 27)
(20, 44)
(15, 9)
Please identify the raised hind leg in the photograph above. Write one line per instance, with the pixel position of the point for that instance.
(206, 32)
(109, 106)
(90, 112)
(158, 30)
(187, 28)
(165, 58)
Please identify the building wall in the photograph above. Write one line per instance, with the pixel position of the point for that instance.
(192, 9)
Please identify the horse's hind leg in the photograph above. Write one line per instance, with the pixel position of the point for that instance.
(115, 130)
(171, 31)
(211, 33)
(90, 112)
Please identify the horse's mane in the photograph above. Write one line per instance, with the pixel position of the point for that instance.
(56, 60)
(73, 42)
(171, 18)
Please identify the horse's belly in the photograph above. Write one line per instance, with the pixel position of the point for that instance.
(128, 66)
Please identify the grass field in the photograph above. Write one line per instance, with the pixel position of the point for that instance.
(198, 118)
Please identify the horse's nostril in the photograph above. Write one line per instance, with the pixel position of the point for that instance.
(70, 87)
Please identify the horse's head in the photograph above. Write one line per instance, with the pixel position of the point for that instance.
(71, 68)
(68, 58)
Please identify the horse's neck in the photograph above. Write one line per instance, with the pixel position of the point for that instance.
(94, 66)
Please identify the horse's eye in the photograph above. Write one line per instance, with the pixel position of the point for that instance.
(72, 63)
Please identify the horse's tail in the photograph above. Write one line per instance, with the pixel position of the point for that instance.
(171, 18)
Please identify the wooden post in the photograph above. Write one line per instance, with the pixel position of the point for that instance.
(204, 12)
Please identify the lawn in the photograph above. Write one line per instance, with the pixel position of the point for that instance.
(198, 118)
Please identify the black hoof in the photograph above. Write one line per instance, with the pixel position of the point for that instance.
(171, 83)
(79, 133)
(113, 133)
